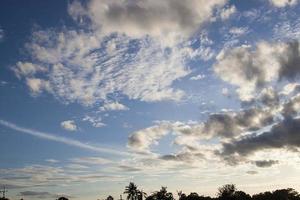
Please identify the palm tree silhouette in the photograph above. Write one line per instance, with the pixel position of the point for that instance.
(131, 191)
(141, 194)
(163, 194)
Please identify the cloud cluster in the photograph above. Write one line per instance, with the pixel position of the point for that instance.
(142, 140)
(121, 49)
(80, 67)
(220, 125)
(282, 135)
(94, 120)
(145, 17)
(250, 69)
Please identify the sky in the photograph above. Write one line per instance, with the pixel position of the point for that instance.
(188, 94)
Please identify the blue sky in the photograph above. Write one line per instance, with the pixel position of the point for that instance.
(187, 94)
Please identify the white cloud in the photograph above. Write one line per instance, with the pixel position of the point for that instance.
(282, 3)
(155, 18)
(287, 30)
(34, 84)
(198, 77)
(69, 125)
(89, 75)
(27, 69)
(141, 140)
(227, 12)
(52, 160)
(238, 31)
(225, 91)
(113, 106)
(289, 88)
(94, 120)
(250, 69)
(217, 127)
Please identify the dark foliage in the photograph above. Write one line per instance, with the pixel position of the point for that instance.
(226, 192)
(163, 194)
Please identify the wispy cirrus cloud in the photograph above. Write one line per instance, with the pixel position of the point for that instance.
(64, 140)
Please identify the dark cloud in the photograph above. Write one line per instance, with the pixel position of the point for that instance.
(184, 157)
(33, 194)
(252, 172)
(285, 134)
(265, 163)
(291, 108)
(290, 61)
(269, 97)
(231, 124)
(13, 186)
(138, 18)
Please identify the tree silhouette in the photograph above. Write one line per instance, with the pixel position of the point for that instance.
(289, 194)
(181, 195)
(62, 198)
(109, 198)
(141, 195)
(133, 193)
(226, 192)
(283, 194)
(240, 195)
(163, 194)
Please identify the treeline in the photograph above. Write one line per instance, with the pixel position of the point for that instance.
(226, 192)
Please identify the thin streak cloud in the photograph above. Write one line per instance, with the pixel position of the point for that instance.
(64, 140)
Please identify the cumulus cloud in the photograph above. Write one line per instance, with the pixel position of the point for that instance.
(146, 17)
(282, 3)
(219, 125)
(269, 97)
(285, 134)
(141, 140)
(250, 69)
(27, 69)
(69, 125)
